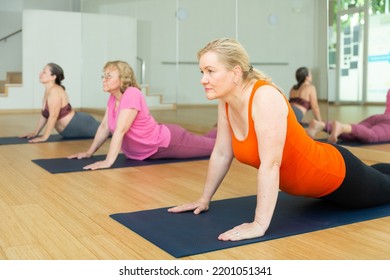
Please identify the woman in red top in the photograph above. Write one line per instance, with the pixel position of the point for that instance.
(257, 125)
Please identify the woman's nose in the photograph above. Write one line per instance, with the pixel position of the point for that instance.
(203, 80)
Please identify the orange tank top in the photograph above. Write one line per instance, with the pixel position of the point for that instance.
(309, 168)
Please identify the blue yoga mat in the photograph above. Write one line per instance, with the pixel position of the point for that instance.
(186, 234)
(53, 138)
(64, 165)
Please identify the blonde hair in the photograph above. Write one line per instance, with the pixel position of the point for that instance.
(231, 53)
(126, 74)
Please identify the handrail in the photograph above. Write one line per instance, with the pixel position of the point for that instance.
(143, 66)
(10, 35)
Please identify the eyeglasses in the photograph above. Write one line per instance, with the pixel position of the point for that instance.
(108, 76)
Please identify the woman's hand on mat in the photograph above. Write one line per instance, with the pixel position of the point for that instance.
(28, 136)
(243, 231)
(80, 155)
(198, 207)
(98, 165)
(38, 139)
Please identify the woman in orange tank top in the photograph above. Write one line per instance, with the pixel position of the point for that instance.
(257, 125)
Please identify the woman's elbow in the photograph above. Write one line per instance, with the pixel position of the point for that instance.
(121, 131)
(271, 165)
(222, 155)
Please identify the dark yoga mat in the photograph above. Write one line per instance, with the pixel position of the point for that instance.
(63, 165)
(186, 234)
(53, 138)
(360, 144)
(353, 143)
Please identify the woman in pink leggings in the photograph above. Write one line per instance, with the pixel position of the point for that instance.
(134, 131)
(373, 129)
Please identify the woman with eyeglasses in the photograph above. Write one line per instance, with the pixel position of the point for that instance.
(57, 113)
(134, 130)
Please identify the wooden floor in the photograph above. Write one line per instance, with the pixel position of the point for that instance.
(66, 216)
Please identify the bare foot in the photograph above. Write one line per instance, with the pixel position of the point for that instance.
(337, 129)
(315, 127)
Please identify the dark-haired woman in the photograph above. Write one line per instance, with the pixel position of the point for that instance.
(57, 113)
(303, 95)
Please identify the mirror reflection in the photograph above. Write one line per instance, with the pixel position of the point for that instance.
(161, 45)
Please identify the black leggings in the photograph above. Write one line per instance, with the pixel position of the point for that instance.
(363, 185)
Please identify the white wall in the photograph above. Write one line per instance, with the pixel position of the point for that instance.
(46, 42)
(52, 5)
(104, 38)
(11, 49)
(297, 39)
(76, 42)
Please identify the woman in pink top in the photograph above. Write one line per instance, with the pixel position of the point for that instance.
(134, 130)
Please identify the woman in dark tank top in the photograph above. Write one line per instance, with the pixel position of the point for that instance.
(57, 113)
(64, 111)
(303, 95)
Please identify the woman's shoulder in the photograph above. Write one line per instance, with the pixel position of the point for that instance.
(56, 92)
(308, 87)
(132, 90)
(265, 91)
(133, 95)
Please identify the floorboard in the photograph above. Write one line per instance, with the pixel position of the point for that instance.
(66, 216)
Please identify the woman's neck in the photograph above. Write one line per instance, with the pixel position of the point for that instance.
(117, 94)
(240, 95)
(49, 86)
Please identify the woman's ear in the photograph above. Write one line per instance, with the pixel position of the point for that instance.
(237, 73)
(237, 70)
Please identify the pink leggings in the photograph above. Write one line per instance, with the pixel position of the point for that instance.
(185, 144)
(374, 129)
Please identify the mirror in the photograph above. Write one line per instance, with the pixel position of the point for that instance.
(280, 36)
(169, 37)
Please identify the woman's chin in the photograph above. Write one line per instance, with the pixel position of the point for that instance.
(210, 96)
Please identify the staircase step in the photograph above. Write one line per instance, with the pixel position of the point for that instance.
(2, 86)
(155, 101)
(14, 78)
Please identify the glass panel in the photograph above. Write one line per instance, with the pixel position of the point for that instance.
(191, 37)
(156, 44)
(350, 44)
(349, 4)
(378, 69)
(139, 33)
(168, 38)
